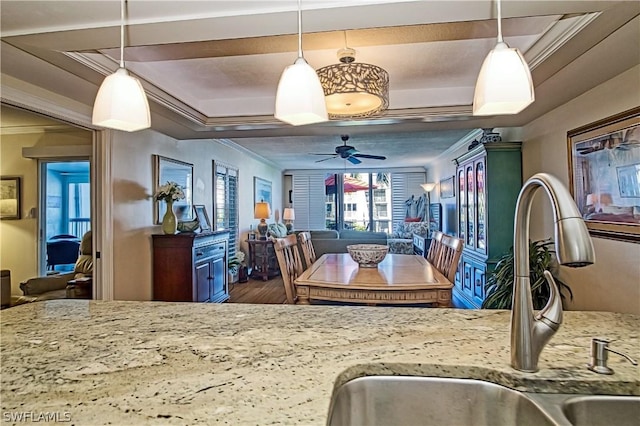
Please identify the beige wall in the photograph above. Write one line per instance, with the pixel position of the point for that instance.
(18, 238)
(133, 209)
(613, 283)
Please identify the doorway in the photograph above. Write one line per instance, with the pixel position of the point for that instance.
(65, 212)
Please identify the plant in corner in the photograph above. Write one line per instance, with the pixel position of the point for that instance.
(235, 263)
(499, 285)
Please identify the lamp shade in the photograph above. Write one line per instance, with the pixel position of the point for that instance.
(121, 103)
(289, 214)
(300, 98)
(504, 85)
(353, 89)
(262, 210)
(428, 187)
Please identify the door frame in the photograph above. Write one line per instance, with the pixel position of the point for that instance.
(28, 97)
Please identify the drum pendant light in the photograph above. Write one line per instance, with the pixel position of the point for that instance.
(121, 103)
(504, 85)
(300, 98)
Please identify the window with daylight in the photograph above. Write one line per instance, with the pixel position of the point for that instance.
(364, 197)
(226, 202)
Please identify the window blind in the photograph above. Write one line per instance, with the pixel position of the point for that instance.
(403, 186)
(308, 201)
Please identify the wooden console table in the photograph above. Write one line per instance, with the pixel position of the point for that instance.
(262, 258)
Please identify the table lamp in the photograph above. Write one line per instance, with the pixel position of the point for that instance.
(262, 211)
(289, 216)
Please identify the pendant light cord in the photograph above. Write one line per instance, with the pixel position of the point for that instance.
(121, 33)
(500, 40)
(299, 30)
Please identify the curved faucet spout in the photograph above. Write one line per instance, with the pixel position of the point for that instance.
(529, 333)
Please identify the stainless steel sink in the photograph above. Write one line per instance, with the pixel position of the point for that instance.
(405, 400)
(401, 400)
(596, 410)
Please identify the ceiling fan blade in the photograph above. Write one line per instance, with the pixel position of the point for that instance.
(325, 159)
(373, 157)
(318, 153)
(353, 160)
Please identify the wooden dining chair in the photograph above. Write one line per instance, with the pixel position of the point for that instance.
(450, 252)
(309, 254)
(290, 264)
(435, 248)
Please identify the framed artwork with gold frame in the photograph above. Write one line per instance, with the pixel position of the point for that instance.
(604, 175)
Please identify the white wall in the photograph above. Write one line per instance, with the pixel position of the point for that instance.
(133, 208)
(613, 283)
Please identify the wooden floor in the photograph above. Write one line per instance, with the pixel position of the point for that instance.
(258, 291)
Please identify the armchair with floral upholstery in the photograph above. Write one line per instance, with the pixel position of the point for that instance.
(401, 240)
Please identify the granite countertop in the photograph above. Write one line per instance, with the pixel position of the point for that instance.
(185, 363)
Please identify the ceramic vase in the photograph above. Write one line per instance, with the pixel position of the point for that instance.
(169, 220)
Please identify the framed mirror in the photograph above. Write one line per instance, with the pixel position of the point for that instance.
(170, 170)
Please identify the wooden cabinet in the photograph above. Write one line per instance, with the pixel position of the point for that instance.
(190, 267)
(262, 255)
(489, 178)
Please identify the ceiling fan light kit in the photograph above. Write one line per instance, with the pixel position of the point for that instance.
(300, 99)
(504, 85)
(354, 90)
(121, 102)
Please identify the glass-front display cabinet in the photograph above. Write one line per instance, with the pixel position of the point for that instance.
(489, 178)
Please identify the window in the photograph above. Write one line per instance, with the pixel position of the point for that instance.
(356, 190)
(226, 202)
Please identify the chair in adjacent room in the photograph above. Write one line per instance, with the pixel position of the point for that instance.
(62, 251)
(290, 264)
(308, 252)
(76, 284)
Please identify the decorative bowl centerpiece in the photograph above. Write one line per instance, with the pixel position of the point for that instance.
(368, 255)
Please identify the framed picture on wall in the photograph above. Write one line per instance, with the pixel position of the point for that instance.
(203, 217)
(10, 194)
(447, 187)
(170, 170)
(604, 175)
(262, 191)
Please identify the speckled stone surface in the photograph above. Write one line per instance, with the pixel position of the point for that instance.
(127, 363)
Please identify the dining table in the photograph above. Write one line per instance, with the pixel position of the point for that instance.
(400, 279)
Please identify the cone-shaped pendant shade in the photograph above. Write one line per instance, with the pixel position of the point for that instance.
(504, 85)
(121, 103)
(300, 98)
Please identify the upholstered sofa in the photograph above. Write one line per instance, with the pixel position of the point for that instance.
(331, 241)
(401, 240)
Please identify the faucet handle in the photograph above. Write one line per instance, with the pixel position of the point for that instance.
(599, 349)
(551, 314)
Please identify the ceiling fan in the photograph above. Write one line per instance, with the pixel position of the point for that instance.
(349, 153)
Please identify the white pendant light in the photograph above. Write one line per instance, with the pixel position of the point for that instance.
(121, 103)
(300, 98)
(504, 85)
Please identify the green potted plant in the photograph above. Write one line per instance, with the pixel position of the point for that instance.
(234, 264)
(499, 285)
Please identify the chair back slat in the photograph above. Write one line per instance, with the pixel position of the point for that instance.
(435, 248)
(290, 264)
(447, 261)
(309, 254)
